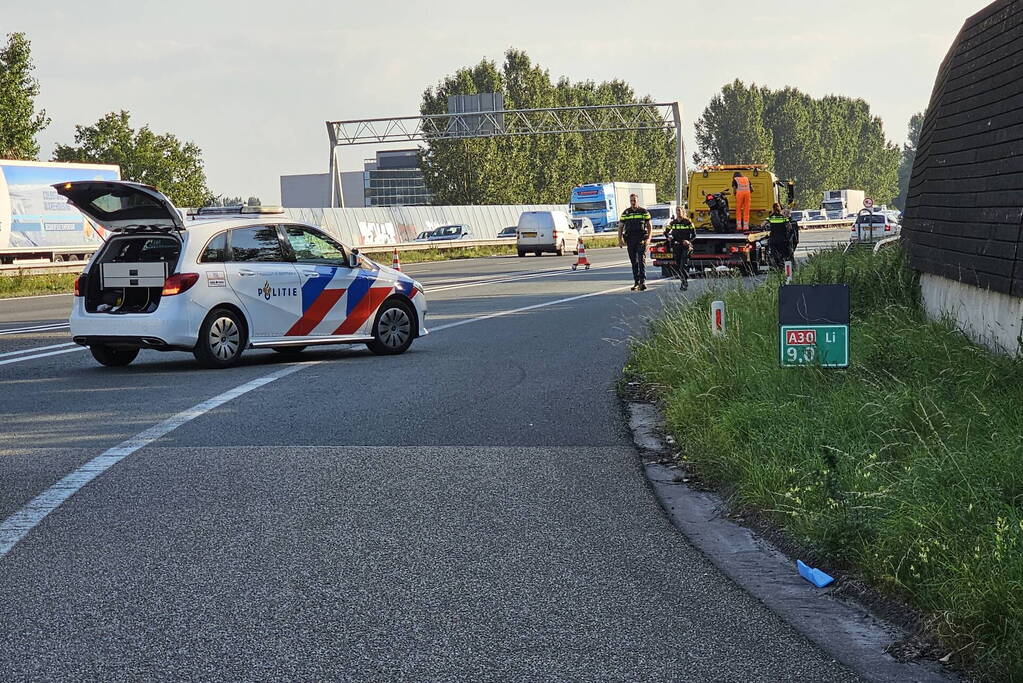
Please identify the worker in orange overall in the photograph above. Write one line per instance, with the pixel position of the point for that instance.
(743, 191)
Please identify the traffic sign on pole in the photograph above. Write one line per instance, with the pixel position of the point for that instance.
(868, 203)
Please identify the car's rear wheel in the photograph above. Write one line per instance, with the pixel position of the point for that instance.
(222, 339)
(113, 356)
(393, 329)
(521, 253)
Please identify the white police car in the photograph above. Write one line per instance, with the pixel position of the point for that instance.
(216, 286)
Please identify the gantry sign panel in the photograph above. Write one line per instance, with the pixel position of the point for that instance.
(485, 124)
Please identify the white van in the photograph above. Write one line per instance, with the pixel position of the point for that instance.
(540, 231)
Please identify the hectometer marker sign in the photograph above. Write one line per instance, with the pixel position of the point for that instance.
(823, 345)
(813, 324)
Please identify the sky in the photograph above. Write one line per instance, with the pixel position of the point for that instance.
(253, 83)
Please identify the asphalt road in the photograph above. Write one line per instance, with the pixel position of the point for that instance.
(472, 509)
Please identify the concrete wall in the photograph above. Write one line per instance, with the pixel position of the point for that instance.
(988, 317)
(390, 225)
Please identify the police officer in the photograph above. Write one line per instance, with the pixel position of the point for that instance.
(779, 241)
(681, 233)
(634, 232)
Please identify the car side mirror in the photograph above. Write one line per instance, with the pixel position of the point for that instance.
(353, 258)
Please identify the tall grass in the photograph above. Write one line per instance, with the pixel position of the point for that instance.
(28, 285)
(907, 467)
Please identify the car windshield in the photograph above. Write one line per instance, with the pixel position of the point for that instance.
(660, 213)
(797, 215)
(448, 230)
(876, 219)
(833, 206)
(589, 206)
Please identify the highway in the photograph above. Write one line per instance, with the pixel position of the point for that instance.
(473, 509)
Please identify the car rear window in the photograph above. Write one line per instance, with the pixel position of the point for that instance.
(216, 250)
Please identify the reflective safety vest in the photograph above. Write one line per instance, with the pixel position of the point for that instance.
(779, 227)
(741, 184)
(634, 221)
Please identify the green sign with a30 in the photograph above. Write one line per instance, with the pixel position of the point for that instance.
(826, 346)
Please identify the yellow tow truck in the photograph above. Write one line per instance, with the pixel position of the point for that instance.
(718, 243)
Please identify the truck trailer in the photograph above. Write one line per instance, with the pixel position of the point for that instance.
(603, 203)
(841, 203)
(36, 223)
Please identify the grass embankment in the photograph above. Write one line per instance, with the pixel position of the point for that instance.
(424, 255)
(907, 468)
(30, 285)
(64, 283)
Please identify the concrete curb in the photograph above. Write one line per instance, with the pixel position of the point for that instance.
(846, 630)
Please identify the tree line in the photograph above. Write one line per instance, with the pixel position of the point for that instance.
(826, 143)
(538, 169)
(173, 166)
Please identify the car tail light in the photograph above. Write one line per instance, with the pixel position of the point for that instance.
(80, 285)
(554, 234)
(178, 283)
(733, 250)
(887, 227)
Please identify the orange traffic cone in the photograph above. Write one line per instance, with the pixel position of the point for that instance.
(395, 261)
(581, 261)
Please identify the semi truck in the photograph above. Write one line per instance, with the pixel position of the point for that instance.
(841, 203)
(603, 203)
(36, 223)
(718, 243)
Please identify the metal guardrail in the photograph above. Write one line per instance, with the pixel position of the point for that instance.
(76, 266)
(41, 268)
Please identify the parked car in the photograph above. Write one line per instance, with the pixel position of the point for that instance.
(546, 231)
(583, 225)
(508, 232)
(872, 227)
(217, 286)
(449, 232)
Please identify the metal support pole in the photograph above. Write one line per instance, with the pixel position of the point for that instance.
(680, 156)
(337, 199)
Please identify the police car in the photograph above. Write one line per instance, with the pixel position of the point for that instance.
(219, 285)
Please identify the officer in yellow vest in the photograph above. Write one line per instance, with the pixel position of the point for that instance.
(634, 230)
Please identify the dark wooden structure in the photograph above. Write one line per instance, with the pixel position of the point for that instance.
(964, 211)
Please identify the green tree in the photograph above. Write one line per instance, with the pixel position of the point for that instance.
(537, 168)
(732, 128)
(160, 160)
(19, 121)
(916, 122)
(822, 144)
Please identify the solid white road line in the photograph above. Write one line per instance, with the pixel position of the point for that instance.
(15, 527)
(535, 306)
(36, 348)
(51, 327)
(517, 278)
(41, 355)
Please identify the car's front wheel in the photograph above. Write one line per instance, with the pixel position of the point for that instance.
(222, 339)
(393, 328)
(113, 356)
